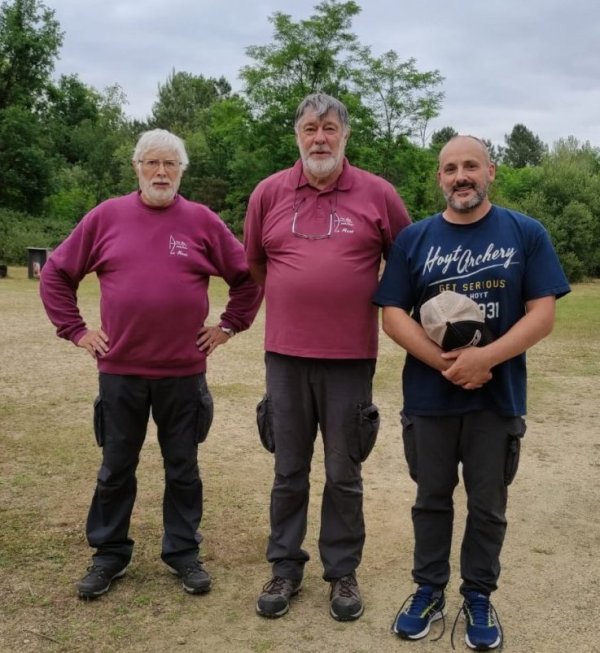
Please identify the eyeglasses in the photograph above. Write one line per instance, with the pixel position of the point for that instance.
(154, 164)
(300, 234)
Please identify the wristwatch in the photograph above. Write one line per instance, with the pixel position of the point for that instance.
(228, 330)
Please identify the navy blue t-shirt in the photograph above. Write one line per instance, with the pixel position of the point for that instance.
(501, 261)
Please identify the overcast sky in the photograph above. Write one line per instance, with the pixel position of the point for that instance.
(535, 62)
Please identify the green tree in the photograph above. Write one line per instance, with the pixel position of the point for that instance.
(183, 98)
(73, 196)
(514, 184)
(402, 98)
(564, 194)
(523, 148)
(415, 177)
(25, 168)
(86, 128)
(307, 56)
(440, 137)
(70, 104)
(102, 142)
(573, 232)
(30, 40)
(496, 152)
(401, 101)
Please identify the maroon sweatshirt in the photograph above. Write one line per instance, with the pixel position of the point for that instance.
(154, 267)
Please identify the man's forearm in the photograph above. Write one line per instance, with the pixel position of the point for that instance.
(407, 333)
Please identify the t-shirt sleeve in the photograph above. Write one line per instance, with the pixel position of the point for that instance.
(394, 287)
(544, 275)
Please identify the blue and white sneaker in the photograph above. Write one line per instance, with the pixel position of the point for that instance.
(483, 629)
(418, 612)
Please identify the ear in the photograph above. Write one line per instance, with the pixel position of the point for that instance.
(492, 171)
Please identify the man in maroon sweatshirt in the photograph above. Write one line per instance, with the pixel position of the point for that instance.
(154, 253)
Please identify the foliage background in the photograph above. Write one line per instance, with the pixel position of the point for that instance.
(67, 146)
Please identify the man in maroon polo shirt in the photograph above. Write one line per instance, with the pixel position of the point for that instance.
(315, 235)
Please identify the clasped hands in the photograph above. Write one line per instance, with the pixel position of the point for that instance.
(469, 368)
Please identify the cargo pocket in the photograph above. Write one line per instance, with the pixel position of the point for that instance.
(368, 427)
(410, 445)
(513, 451)
(98, 421)
(205, 414)
(265, 425)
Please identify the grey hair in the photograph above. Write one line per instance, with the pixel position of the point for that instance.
(160, 139)
(322, 104)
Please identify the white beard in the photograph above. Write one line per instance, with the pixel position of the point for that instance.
(321, 168)
(158, 196)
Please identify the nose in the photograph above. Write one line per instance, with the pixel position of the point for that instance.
(461, 173)
(161, 171)
(320, 135)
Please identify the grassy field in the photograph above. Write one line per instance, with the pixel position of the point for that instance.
(48, 463)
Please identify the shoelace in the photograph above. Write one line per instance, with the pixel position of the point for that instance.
(420, 601)
(347, 587)
(196, 565)
(98, 570)
(483, 613)
(275, 585)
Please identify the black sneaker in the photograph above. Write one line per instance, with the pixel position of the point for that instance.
(345, 602)
(418, 612)
(195, 579)
(274, 600)
(98, 579)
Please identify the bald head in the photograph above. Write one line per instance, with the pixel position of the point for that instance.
(462, 141)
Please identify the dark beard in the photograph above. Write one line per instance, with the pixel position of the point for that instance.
(469, 205)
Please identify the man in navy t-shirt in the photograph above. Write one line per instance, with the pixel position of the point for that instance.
(467, 405)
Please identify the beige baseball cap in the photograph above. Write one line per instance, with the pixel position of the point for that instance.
(454, 321)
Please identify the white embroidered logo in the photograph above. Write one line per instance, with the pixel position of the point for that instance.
(177, 247)
(343, 225)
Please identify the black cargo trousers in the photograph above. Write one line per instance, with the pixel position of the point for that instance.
(303, 396)
(487, 447)
(182, 409)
